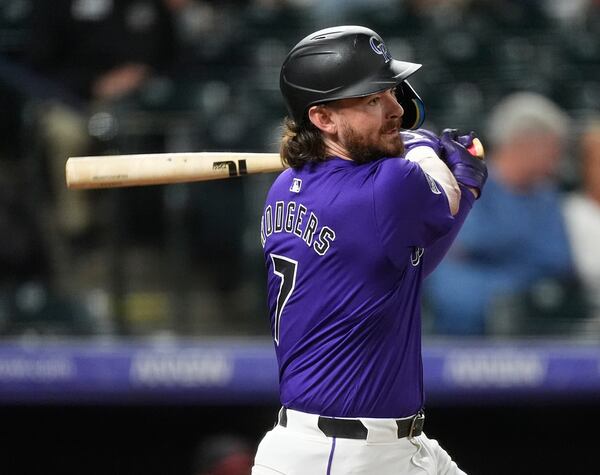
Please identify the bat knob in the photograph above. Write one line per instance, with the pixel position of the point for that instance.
(476, 148)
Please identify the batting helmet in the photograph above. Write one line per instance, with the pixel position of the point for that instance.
(343, 62)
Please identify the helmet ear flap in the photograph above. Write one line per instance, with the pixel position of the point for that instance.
(414, 108)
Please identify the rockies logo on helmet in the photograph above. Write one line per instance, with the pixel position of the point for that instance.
(380, 48)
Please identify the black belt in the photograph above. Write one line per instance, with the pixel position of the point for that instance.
(355, 429)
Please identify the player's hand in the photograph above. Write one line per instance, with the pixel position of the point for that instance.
(461, 156)
(421, 138)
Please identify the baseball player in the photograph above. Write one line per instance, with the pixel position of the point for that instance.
(349, 232)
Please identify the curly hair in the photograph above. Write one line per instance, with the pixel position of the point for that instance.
(301, 144)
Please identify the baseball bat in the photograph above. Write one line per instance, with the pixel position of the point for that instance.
(113, 171)
(476, 149)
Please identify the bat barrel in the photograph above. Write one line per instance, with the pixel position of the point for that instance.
(113, 171)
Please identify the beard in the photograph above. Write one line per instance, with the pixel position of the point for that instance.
(362, 149)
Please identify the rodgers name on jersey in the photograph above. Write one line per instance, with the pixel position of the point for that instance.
(296, 219)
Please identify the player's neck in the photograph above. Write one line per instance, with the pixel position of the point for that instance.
(335, 149)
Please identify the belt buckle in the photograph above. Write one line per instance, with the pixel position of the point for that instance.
(417, 423)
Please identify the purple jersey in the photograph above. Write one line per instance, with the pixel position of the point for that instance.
(344, 246)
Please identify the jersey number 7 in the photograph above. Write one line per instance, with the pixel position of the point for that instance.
(285, 268)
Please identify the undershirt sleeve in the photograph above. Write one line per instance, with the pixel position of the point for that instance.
(437, 169)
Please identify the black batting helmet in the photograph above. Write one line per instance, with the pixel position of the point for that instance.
(343, 62)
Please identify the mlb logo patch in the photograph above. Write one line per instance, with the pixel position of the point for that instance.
(296, 185)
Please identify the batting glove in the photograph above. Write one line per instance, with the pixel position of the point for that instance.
(421, 138)
(469, 169)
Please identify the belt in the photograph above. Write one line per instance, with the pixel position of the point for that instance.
(355, 429)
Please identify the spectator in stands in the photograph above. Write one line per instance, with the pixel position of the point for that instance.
(573, 12)
(516, 236)
(582, 216)
(223, 455)
(91, 53)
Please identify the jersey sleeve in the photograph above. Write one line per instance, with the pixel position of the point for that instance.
(411, 209)
(438, 250)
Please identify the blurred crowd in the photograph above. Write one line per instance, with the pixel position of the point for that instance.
(95, 77)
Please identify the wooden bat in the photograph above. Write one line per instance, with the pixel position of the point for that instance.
(113, 171)
(476, 149)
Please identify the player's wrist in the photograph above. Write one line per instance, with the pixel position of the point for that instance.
(421, 152)
(474, 191)
(421, 138)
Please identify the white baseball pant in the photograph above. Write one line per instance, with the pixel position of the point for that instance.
(301, 448)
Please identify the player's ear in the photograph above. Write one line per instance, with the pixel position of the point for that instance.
(322, 118)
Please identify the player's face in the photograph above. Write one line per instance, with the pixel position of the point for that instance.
(369, 127)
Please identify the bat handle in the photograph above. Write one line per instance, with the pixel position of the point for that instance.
(476, 148)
